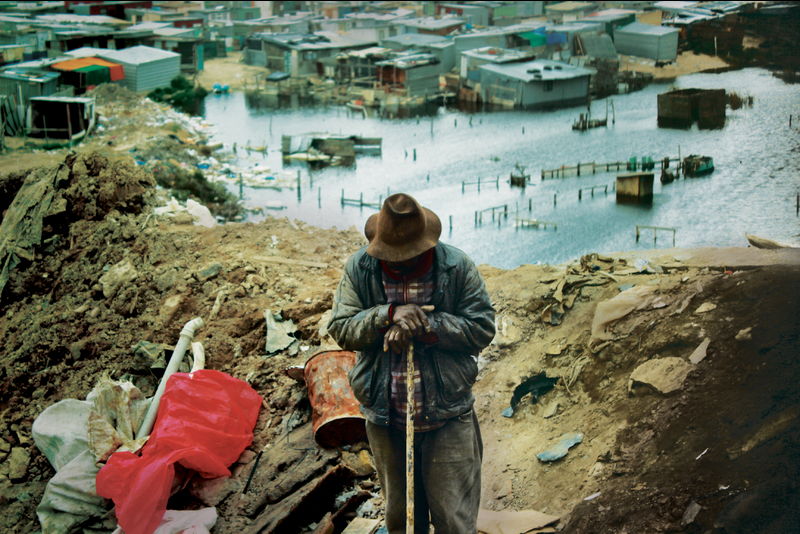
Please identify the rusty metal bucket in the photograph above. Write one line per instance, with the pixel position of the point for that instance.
(335, 417)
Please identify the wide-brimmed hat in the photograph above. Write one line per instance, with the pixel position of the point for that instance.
(402, 230)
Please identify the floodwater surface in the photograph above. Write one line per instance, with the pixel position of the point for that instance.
(753, 189)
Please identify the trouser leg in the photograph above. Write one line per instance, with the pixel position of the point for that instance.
(451, 472)
(388, 447)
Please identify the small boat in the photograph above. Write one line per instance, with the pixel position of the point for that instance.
(667, 177)
(695, 165)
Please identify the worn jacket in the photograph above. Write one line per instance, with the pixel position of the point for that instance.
(463, 321)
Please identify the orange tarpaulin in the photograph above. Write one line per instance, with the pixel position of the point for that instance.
(115, 69)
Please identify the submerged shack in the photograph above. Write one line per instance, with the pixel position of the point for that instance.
(334, 149)
(681, 108)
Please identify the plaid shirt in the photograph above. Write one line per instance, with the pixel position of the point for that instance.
(413, 288)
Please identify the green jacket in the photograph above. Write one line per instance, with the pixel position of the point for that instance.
(463, 320)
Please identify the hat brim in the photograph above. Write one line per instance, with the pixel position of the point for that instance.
(380, 250)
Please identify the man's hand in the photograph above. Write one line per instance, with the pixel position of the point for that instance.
(409, 321)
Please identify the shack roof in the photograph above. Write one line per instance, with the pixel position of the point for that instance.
(539, 69)
(138, 54)
(409, 61)
(495, 54)
(29, 75)
(86, 51)
(69, 18)
(414, 39)
(599, 46)
(646, 29)
(314, 41)
(569, 7)
(75, 99)
(430, 23)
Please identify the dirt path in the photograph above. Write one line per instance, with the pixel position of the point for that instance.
(232, 71)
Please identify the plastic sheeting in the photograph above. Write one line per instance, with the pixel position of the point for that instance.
(205, 420)
(73, 434)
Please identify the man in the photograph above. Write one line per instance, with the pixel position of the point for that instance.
(407, 287)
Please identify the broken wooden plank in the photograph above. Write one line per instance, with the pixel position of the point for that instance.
(290, 261)
(361, 525)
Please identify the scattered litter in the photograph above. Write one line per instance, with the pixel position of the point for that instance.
(691, 512)
(508, 522)
(745, 334)
(278, 333)
(592, 496)
(701, 454)
(665, 375)
(705, 307)
(625, 287)
(643, 265)
(700, 352)
(536, 385)
(565, 442)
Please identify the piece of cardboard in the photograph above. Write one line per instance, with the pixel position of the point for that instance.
(508, 522)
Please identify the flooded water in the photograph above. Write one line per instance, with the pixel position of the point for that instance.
(753, 189)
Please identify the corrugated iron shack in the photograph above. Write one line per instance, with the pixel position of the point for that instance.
(681, 108)
(537, 84)
(145, 68)
(659, 43)
(60, 118)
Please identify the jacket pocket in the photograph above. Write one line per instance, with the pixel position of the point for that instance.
(363, 379)
(456, 373)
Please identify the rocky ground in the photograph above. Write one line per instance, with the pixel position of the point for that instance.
(674, 371)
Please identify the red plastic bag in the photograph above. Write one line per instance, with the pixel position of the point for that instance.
(205, 420)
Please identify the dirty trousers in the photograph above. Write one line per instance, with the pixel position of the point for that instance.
(447, 475)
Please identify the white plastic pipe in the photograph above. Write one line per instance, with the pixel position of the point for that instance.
(174, 362)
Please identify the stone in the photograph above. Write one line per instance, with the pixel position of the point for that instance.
(705, 307)
(118, 275)
(167, 280)
(209, 271)
(745, 334)
(700, 352)
(551, 410)
(359, 462)
(18, 463)
(665, 375)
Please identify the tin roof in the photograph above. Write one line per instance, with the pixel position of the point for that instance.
(29, 75)
(430, 23)
(539, 69)
(648, 29)
(138, 54)
(414, 39)
(566, 7)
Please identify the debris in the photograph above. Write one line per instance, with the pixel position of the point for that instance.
(551, 410)
(278, 333)
(762, 242)
(361, 525)
(665, 375)
(705, 307)
(508, 522)
(610, 311)
(592, 496)
(565, 442)
(117, 276)
(700, 352)
(536, 385)
(205, 420)
(691, 512)
(336, 418)
(745, 334)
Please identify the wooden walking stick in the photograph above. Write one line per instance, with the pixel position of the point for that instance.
(410, 408)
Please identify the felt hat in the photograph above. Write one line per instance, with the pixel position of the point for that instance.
(402, 229)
